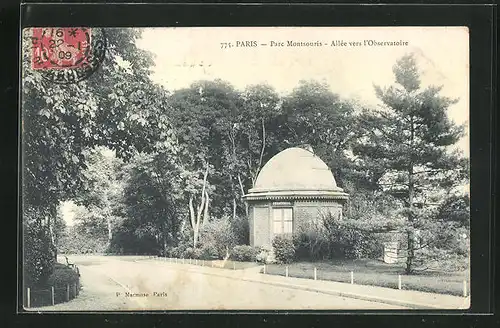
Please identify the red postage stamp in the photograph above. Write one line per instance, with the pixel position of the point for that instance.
(66, 47)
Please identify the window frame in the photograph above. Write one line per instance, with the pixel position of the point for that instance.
(282, 210)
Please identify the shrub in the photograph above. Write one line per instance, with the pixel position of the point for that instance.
(244, 253)
(176, 252)
(39, 254)
(217, 235)
(208, 252)
(62, 276)
(311, 245)
(263, 255)
(346, 239)
(197, 253)
(188, 253)
(370, 247)
(192, 253)
(284, 249)
(240, 229)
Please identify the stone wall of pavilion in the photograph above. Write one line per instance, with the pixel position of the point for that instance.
(304, 213)
(260, 228)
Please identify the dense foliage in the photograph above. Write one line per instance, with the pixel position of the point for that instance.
(405, 146)
(38, 254)
(163, 172)
(283, 249)
(62, 276)
(244, 253)
(335, 238)
(60, 122)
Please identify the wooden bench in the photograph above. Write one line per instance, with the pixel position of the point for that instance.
(72, 265)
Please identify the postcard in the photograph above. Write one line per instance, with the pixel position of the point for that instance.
(245, 168)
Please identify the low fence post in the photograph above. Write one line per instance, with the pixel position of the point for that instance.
(74, 286)
(352, 277)
(465, 288)
(67, 292)
(28, 296)
(286, 271)
(399, 281)
(264, 269)
(315, 274)
(52, 295)
(234, 266)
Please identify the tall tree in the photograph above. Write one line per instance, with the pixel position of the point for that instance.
(153, 195)
(61, 121)
(199, 116)
(407, 144)
(251, 138)
(314, 115)
(259, 137)
(103, 188)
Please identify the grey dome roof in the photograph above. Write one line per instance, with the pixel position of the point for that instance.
(296, 171)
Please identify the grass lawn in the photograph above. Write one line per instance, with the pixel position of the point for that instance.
(376, 273)
(229, 264)
(239, 265)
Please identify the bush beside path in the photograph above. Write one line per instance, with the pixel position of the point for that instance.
(97, 292)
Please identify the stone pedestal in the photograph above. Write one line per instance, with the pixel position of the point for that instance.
(391, 252)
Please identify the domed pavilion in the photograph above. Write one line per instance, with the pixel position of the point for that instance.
(294, 188)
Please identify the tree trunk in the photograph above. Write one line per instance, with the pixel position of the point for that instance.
(52, 238)
(410, 233)
(195, 237)
(199, 217)
(205, 211)
(234, 209)
(243, 193)
(192, 218)
(262, 148)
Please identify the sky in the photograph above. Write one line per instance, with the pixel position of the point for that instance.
(184, 55)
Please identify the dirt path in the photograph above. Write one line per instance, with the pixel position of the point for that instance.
(157, 285)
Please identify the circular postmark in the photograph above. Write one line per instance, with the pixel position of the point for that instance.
(67, 55)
